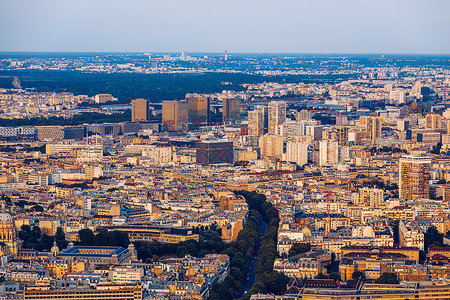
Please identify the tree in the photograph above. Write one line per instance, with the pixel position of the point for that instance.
(111, 238)
(121, 238)
(432, 235)
(182, 251)
(299, 248)
(36, 232)
(357, 274)
(321, 276)
(388, 278)
(25, 232)
(60, 235)
(45, 243)
(335, 276)
(87, 237)
(60, 238)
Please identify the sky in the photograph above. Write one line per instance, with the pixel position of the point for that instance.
(239, 26)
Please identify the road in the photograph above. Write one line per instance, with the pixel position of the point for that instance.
(251, 278)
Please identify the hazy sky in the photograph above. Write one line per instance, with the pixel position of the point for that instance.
(295, 26)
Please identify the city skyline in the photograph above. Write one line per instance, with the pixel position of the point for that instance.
(206, 150)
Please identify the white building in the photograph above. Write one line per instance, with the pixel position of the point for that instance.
(328, 152)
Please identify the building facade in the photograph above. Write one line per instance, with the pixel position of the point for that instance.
(277, 115)
(231, 109)
(175, 114)
(414, 176)
(214, 152)
(139, 110)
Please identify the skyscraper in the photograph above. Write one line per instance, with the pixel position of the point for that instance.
(414, 176)
(140, 110)
(340, 134)
(257, 121)
(416, 90)
(214, 152)
(303, 115)
(231, 109)
(328, 152)
(175, 114)
(277, 115)
(271, 145)
(297, 152)
(373, 127)
(433, 121)
(198, 113)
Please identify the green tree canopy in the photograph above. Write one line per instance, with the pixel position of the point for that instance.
(357, 274)
(388, 278)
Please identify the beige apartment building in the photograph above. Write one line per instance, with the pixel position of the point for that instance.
(271, 145)
(277, 115)
(414, 176)
(256, 121)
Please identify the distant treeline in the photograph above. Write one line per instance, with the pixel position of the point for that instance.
(155, 87)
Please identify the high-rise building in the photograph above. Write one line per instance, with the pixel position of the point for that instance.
(277, 115)
(371, 196)
(198, 112)
(139, 110)
(433, 121)
(175, 114)
(297, 152)
(257, 121)
(373, 127)
(315, 131)
(303, 115)
(341, 120)
(416, 90)
(290, 129)
(397, 96)
(414, 176)
(271, 145)
(340, 134)
(328, 152)
(402, 125)
(214, 152)
(231, 109)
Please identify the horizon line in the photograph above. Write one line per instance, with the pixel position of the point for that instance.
(228, 52)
